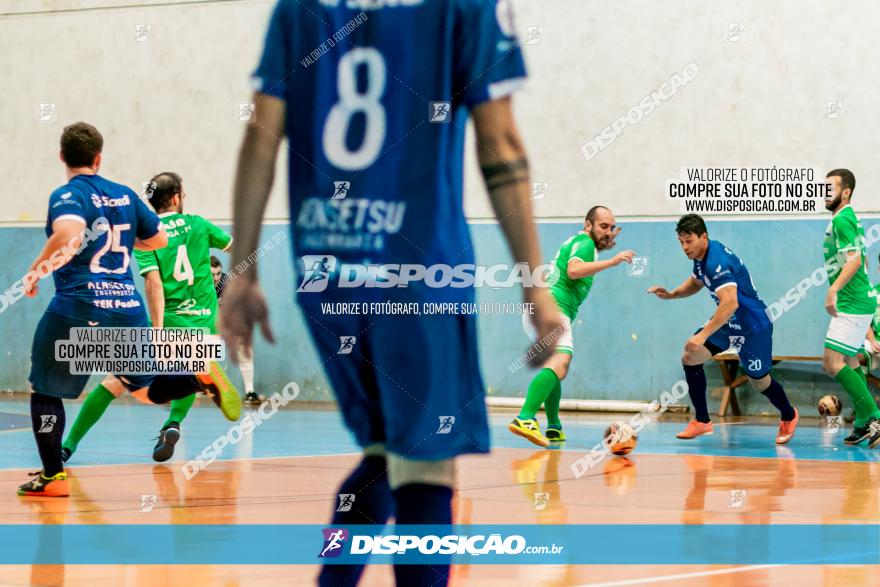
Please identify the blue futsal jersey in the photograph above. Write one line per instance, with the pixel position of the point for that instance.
(721, 268)
(376, 121)
(97, 283)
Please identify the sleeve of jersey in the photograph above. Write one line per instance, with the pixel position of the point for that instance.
(724, 277)
(217, 237)
(488, 61)
(146, 261)
(65, 204)
(845, 233)
(147, 221)
(270, 77)
(585, 251)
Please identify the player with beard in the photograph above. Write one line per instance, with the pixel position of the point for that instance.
(851, 302)
(574, 266)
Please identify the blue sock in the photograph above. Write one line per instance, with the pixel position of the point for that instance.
(420, 503)
(372, 505)
(777, 397)
(696, 380)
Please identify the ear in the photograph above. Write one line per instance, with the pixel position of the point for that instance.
(97, 163)
(61, 157)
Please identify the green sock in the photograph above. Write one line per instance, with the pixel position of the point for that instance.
(90, 412)
(539, 390)
(861, 398)
(179, 409)
(863, 374)
(551, 407)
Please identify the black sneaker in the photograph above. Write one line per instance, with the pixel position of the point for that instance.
(66, 453)
(873, 427)
(168, 437)
(253, 399)
(856, 436)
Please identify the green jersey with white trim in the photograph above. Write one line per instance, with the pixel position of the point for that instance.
(570, 293)
(845, 234)
(875, 323)
(185, 269)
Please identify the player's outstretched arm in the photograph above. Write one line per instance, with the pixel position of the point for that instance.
(154, 243)
(578, 269)
(243, 302)
(689, 287)
(849, 269)
(505, 168)
(60, 248)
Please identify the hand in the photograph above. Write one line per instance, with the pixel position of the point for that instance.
(661, 292)
(623, 256)
(547, 322)
(875, 347)
(694, 343)
(29, 282)
(244, 306)
(831, 302)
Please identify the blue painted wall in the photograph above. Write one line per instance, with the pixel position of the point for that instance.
(627, 343)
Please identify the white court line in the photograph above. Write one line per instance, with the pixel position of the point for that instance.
(662, 578)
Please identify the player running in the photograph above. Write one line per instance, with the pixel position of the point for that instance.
(180, 294)
(93, 224)
(575, 265)
(740, 323)
(350, 116)
(851, 302)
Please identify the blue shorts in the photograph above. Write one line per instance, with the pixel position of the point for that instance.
(755, 349)
(53, 378)
(410, 382)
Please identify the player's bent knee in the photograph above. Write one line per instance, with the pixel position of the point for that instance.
(113, 385)
(403, 471)
(761, 383)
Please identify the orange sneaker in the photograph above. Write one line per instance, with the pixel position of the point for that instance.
(786, 429)
(694, 429)
(222, 391)
(55, 486)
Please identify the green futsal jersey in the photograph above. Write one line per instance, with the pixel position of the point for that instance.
(185, 269)
(570, 293)
(875, 323)
(845, 234)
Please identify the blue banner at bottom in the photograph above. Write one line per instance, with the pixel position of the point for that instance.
(460, 544)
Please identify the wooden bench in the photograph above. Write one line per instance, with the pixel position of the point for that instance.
(728, 364)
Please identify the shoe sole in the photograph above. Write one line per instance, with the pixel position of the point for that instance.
(166, 450)
(544, 443)
(874, 443)
(855, 442)
(53, 493)
(710, 433)
(227, 396)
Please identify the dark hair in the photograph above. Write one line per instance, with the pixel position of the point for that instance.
(691, 224)
(847, 179)
(80, 144)
(591, 214)
(162, 188)
(215, 262)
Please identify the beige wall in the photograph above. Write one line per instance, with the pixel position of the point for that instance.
(171, 101)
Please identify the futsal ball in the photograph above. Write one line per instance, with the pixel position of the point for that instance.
(620, 438)
(829, 405)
